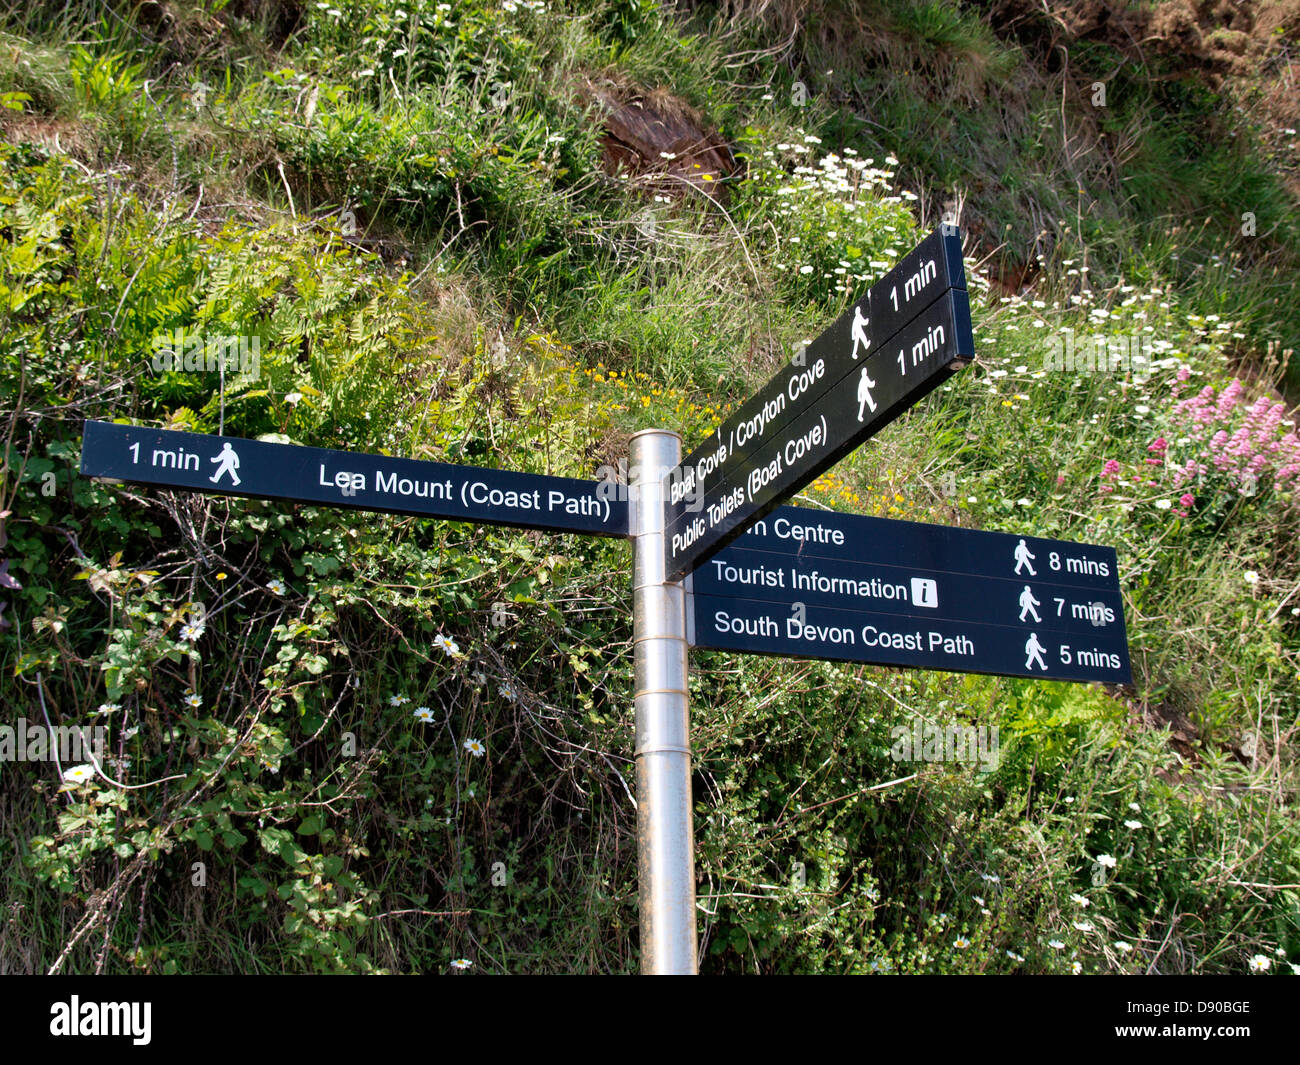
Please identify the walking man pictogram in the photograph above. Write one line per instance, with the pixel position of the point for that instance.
(859, 331)
(1023, 558)
(227, 462)
(1034, 649)
(865, 385)
(1027, 604)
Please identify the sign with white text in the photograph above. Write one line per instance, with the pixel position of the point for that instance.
(838, 586)
(227, 465)
(760, 467)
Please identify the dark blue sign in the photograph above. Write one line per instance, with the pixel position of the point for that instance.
(259, 469)
(893, 377)
(925, 274)
(936, 597)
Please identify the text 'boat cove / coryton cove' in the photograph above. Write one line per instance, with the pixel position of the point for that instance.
(906, 336)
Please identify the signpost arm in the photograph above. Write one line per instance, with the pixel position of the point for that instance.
(665, 835)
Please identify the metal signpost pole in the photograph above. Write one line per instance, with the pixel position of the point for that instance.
(665, 833)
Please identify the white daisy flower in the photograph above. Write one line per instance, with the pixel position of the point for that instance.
(461, 963)
(276, 586)
(79, 774)
(423, 713)
(193, 700)
(1106, 861)
(475, 748)
(1260, 963)
(446, 646)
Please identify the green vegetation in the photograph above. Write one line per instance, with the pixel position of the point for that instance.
(346, 742)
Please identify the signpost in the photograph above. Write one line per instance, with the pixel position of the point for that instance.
(801, 582)
(838, 586)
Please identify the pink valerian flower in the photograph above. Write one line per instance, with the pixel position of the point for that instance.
(1187, 499)
(1243, 441)
(1198, 410)
(1181, 377)
(1273, 419)
(1109, 470)
(1228, 399)
(1258, 410)
(1159, 445)
(1190, 470)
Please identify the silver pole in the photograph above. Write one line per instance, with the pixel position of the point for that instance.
(665, 837)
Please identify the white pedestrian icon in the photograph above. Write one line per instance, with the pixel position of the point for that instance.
(1034, 649)
(1027, 604)
(859, 332)
(227, 462)
(1023, 558)
(865, 385)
